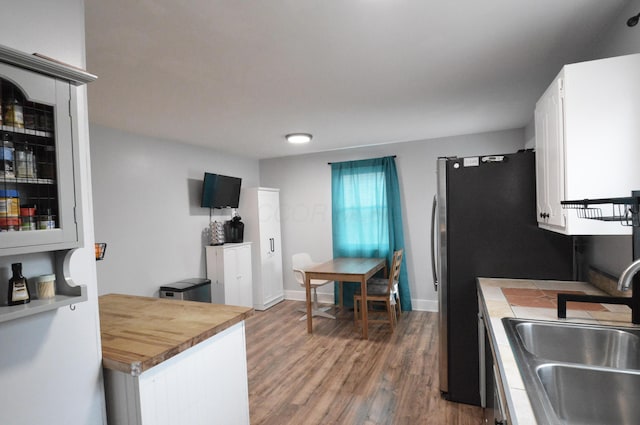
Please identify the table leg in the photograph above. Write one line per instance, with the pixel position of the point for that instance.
(307, 286)
(340, 297)
(365, 308)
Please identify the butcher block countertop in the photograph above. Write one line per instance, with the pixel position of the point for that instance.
(141, 332)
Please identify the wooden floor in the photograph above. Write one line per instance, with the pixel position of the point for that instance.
(335, 377)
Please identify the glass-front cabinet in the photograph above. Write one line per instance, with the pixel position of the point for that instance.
(40, 208)
(38, 162)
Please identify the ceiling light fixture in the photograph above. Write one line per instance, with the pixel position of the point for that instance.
(633, 21)
(299, 138)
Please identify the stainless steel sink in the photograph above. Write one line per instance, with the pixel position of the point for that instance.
(590, 345)
(591, 396)
(578, 374)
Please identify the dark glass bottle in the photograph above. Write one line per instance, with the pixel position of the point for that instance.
(18, 288)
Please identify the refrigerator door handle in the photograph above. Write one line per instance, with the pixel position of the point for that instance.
(434, 209)
(494, 158)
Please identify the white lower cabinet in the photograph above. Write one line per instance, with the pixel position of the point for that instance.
(229, 268)
(206, 384)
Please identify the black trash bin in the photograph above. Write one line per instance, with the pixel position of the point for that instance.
(196, 289)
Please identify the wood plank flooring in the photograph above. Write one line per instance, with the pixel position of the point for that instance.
(335, 377)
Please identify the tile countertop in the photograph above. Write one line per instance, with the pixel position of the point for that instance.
(540, 305)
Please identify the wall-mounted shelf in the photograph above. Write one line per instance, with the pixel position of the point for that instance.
(67, 293)
(40, 306)
(623, 210)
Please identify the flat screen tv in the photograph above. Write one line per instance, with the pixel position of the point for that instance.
(220, 191)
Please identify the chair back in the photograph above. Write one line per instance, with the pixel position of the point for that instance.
(394, 273)
(299, 262)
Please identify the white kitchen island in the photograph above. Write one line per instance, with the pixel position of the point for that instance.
(173, 362)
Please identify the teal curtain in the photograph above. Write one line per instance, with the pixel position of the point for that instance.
(367, 216)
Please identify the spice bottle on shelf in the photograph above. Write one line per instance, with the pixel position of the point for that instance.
(9, 210)
(47, 221)
(25, 162)
(32, 173)
(6, 157)
(28, 218)
(13, 113)
(18, 287)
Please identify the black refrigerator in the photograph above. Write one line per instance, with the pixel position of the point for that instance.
(484, 225)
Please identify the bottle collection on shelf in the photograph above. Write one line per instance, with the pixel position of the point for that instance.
(23, 117)
(17, 217)
(18, 289)
(28, 192)
(19, 165)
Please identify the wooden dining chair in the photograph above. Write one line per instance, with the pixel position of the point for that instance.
(395, 290)
(381, 293)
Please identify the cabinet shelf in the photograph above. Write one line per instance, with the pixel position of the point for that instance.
(27, 131)
(623, 210)
(27, 180)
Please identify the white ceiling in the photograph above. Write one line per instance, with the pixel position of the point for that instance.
(237, 75)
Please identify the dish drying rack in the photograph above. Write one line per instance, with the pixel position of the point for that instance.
(626, 211)
(623, 210)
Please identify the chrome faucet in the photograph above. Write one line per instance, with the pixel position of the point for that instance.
(624, 282)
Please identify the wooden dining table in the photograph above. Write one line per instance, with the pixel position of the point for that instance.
(344, 270)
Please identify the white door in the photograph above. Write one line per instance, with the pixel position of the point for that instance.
(243, 269)
(549, 118)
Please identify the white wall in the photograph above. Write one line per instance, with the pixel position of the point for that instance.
(146, 195)
(613, 253)
(305, 200)
(50, 364)
(620, 39)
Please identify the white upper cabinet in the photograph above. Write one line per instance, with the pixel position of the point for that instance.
(588, 142)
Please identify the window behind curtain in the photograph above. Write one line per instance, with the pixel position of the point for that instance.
(360, 213)
(367, 216)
